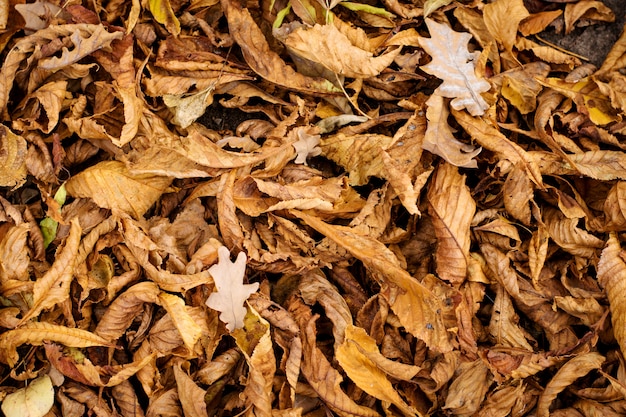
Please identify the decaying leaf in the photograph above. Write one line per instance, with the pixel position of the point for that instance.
(12, 158)
(454, 64)
(231, 291)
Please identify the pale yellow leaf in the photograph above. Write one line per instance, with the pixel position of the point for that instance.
(454, 64)
(34, 400)
(189, 330)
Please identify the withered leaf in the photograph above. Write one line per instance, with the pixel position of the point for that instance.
(452, 209)
(502, 19)
(112, 186)
(12, 158)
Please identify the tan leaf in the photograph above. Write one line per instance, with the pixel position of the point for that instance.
(452, 209)
(504, 324)
(35, 333)
(520, 87)
(575, 368)
(502, 18)
(34, 400)
(364, 372)
(12, 158)
(417, 307)
(111, 186)
(326, 45)
(612, 276)
(42, 107)
(537, 252)
(538, 22)
(588, 310)
(453, 63)
(262, 59)
(14, 256)
(468, 388)
(517, 192)
(164, 404)
(439, 139)
(547, 53)
(615, 206)
(54, 287)
(191, 395)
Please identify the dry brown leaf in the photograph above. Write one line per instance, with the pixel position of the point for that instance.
(262, 59)
(452, 209)
(575, 368)
(615, 206)
(537, 252)
(590, 9)
(14, 255)
(439, 139)
(504, 324)
(190, 394)
(326, 45)
(112, 186)
(538, 22)
(565, 233)
(12, 158)
(189, 330)
(35, 333)
(502, 19)
(54, 287)
(454, 64)
(255, 343)
(418, 309)
(468, 388)
(612, 276)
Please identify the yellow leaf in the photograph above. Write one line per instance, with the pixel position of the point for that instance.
(189, 330)
(112, 186)
(12, 158)
(439, 139)
(520, 87)
(502, 18)
(588, 98)
(163, 13)
(452, 209)
(34, 400)
(454, 64)
(364, 372)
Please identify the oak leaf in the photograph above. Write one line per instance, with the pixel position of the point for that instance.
(231, 291)
(454, 64)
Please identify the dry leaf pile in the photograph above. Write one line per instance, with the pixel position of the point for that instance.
(425, 202)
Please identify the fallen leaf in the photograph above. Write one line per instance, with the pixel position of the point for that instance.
(34, 400)
(231, 291)
(454, 64)
(12, 158)
(163, 13)
(502, 19)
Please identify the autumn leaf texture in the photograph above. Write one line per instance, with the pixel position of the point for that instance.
(306, 208)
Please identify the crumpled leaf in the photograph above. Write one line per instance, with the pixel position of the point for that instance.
(190, 394)
(231, 291)
(112, 186)
(454, 64)
(306, 145)
(34, 400)
(468, 389)
(187, 109)
(591, 9)
(612, 276)
(439, 139)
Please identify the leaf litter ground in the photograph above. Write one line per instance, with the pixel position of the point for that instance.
(426, 203)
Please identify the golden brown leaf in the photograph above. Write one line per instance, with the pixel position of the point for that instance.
(35, 333)
(14, 256)
(417, 308)
(189, 330)
(575, 368)
(565, 233)
(190, 394)
(439, 139)
(12, 158)
(468, 388)
(54, 287)
(111, 186)
(353, 354)
(502, 19)
(612, 276)
(591, 9)
(452, 209)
